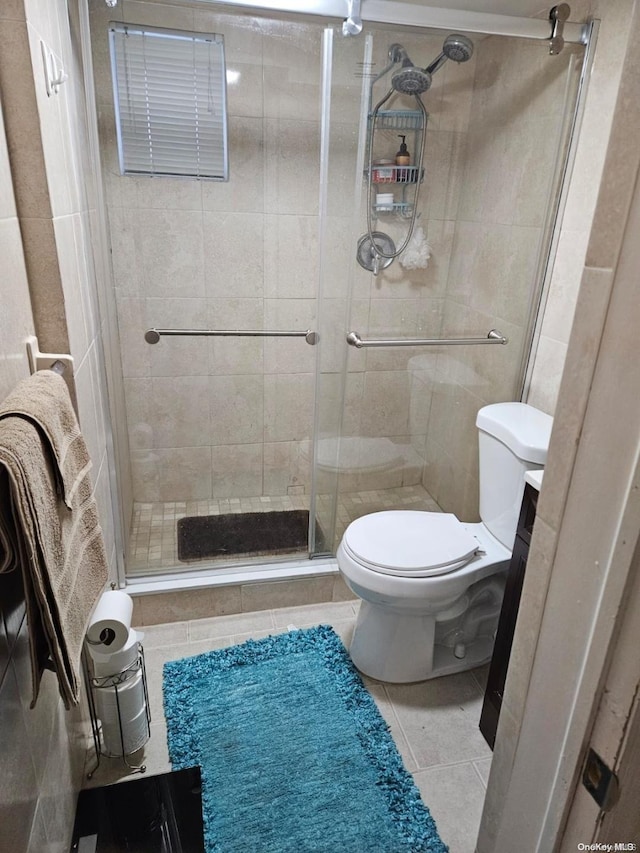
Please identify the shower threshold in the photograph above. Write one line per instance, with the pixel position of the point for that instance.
(153, 546)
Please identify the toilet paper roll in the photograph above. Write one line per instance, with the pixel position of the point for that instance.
(134, 736)
(105, 665)
(130, 700)
(109, 626)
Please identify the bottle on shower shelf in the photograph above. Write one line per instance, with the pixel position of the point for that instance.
(403, 160)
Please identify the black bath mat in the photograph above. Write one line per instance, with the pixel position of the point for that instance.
(242, 533)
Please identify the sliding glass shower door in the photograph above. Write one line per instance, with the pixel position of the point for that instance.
(395, 426)
(220, 427)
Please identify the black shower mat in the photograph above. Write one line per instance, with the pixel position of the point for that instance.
(244, 533)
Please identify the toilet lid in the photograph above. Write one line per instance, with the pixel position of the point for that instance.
(405, 542)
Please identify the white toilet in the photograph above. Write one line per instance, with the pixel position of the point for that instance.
(432, 586)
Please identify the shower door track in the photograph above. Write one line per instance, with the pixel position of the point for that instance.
(409, 15)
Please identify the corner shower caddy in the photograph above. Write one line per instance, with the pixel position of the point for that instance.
(410, 121)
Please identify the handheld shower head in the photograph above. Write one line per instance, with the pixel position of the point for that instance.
(456, 47)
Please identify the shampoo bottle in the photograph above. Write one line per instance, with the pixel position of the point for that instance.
(403, 158)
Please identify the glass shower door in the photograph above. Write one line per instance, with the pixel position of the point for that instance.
(395, 425)
(221, 427)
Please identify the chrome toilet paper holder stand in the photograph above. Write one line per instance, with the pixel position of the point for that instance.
(114, 682)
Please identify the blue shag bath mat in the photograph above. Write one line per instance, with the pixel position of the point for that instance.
(293, 752)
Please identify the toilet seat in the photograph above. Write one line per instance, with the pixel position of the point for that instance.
(410, 543)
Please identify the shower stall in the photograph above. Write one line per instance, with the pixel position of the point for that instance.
(285, 369)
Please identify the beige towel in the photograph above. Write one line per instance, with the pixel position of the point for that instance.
(49, 525)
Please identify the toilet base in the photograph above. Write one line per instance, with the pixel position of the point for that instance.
(398, 647)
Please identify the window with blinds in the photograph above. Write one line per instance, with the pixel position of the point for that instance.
(170, 98)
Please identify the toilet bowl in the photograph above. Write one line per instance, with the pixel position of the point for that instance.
(430, 585)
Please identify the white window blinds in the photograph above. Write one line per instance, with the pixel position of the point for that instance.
(170, 96)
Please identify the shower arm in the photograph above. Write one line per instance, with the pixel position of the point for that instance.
(378, 253)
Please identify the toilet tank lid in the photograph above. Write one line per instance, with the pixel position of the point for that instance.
(524, 429)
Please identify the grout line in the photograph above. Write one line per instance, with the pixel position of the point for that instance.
(482, 780)
(400, 726)
(453, 764)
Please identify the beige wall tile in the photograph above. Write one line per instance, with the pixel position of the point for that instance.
(289, 355)
(244, 191)
(72, 285)
(229, 355)
(179, 411)
(290, 256)
(291, 166)
(264, 596)
(16, 321)
(236, 470)
(565, 284)
(385, 403)
(183, 473)
(233, 246)
(189, 604)
(20, 109)
(47, 298)
(285, 463)
(176, 356)
(292, 63)
(237, 409)
(135, 353)
(288, 406)
(550, 356)
(171, 245)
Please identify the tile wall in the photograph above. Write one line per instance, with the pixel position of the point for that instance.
(555, 328)
(46, 246)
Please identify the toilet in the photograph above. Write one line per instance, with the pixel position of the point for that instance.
(431, 586)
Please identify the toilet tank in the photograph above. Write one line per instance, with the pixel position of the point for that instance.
(513, 438)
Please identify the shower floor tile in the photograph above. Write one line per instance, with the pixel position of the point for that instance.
(153, 539)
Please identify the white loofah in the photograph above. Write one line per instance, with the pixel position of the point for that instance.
(416, 255)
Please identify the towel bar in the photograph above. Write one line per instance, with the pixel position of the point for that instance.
(152, 336)
(494, 337)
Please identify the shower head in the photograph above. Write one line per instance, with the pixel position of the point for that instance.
(411, 80)
(456, 47)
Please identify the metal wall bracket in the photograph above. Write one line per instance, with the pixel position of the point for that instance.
(600, 781)
(352, 25)
(558, 15)
(58, 362)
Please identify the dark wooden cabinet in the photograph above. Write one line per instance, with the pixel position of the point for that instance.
(508, 615)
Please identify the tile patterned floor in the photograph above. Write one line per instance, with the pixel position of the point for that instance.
(153, 530)
(434, 723)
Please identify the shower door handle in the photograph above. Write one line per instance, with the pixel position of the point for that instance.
(152, 336)
(494, 337)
